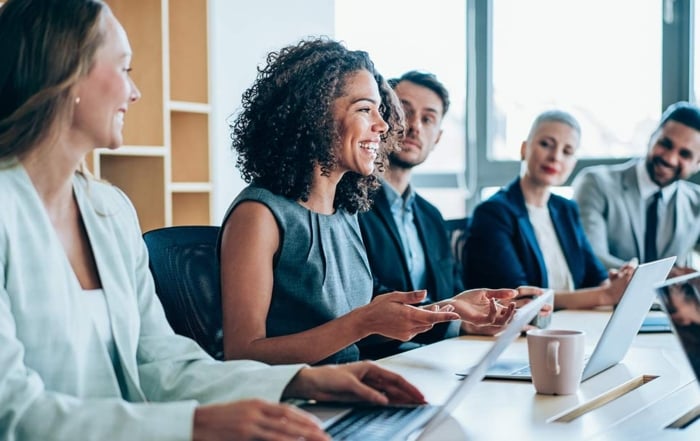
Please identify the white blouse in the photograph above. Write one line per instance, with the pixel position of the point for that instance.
(96, 304)
(558, 274)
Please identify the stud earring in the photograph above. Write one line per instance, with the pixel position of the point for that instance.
(77, 100)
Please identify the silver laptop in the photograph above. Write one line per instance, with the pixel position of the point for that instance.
(387, 423)
(680, 298)
(618, 333)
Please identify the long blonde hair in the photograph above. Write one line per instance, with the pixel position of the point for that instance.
(46, 46)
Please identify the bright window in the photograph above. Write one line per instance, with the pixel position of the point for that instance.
(403, 35)
(598, 59)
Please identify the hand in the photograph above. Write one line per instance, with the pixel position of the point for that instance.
(472, 329)
(392, 315)
(625, 270)
(680, 271)
(255, 420)
(526, 294)
(615, 286)
(360, 381)
(481, 309)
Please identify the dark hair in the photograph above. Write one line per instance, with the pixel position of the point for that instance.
(427, 80)
(46, 46)
(286, 124)
(682, 112)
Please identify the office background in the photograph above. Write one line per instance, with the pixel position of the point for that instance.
(614, 65)
(622, 63)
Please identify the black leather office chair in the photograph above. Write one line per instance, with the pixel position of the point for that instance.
(185, 268)
(457, 230)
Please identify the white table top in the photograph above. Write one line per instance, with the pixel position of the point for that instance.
(497, 409)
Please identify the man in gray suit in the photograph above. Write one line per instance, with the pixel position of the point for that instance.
(644, 208)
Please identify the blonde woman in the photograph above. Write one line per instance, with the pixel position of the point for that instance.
(526, 235)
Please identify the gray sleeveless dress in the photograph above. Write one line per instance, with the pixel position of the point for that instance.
(321, 271)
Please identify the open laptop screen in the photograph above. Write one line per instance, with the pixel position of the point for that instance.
(680, 298)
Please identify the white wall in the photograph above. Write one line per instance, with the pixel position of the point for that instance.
(242, 32)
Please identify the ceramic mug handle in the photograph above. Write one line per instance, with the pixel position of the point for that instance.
(553, 357)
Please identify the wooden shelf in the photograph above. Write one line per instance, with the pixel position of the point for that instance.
(142, 179)
(190, 147)
(183, 106)
(164, 164)
(191, 208)
(188, 51)
(134, 150)
(190, 187)
(143, 24)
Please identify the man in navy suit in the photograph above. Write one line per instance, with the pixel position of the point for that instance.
(645, 208)
(406, 240)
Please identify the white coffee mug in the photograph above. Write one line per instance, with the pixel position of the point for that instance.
(556, 360)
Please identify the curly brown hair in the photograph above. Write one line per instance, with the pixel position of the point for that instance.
(286, 124)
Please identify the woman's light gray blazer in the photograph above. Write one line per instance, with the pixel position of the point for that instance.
(57, 380)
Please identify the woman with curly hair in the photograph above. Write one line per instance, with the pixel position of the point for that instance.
(296, 285)
(85, 348)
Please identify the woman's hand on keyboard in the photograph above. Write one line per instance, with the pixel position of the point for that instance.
(255, 420)
(360, 381)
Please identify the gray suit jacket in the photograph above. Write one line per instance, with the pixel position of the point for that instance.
(57, 380)
(613, 214)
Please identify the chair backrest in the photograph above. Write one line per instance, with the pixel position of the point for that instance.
(457, 230)
(185, 269)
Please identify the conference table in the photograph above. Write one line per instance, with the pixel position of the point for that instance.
(652, 390)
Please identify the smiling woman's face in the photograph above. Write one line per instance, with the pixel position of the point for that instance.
(106, 92)
(359, 123)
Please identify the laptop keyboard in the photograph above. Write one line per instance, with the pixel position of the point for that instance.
(375, 423)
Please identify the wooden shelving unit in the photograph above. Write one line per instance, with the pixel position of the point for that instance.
(164, 164)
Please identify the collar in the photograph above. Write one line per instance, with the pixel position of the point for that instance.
(647, 187)
(396, 200)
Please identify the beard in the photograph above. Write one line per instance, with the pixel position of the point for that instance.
(396, 162)
(651, 164)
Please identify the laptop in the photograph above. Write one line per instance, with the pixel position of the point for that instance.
(618, 333)
(680, 298)
(388, 423)
(655, 323)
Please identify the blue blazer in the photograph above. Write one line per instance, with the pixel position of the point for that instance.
(386, 255)
(501, 250)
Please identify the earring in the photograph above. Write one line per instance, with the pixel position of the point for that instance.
(77, 100)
